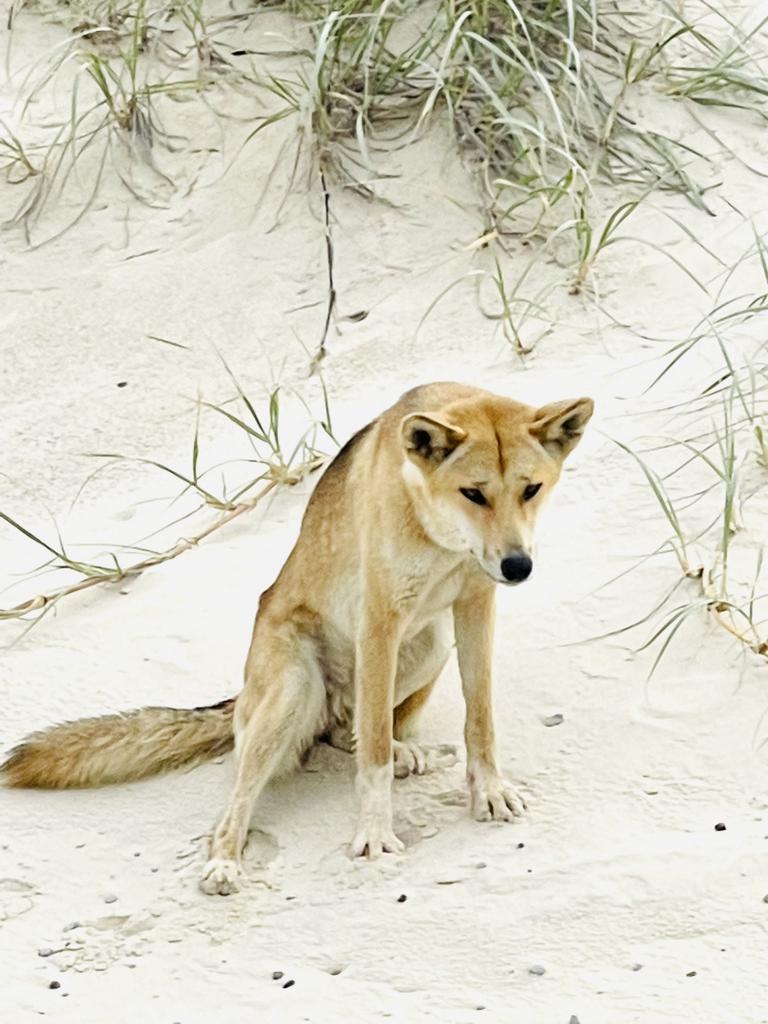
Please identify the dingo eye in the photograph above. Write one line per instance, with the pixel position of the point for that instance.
(531, 491)
(475, 496)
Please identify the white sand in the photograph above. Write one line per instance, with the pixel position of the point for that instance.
(616, 882)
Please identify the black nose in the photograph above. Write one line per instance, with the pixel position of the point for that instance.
(516, 568)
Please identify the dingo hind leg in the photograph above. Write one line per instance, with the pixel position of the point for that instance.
(277, 717)
(420, 663)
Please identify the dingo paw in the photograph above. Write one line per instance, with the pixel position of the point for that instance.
(494, 799)
(221, 877)
(374, 838)
(411, 758)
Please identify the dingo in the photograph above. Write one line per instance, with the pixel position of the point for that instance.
(417, 518)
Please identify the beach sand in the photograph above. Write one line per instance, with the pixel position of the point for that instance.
(615, 899)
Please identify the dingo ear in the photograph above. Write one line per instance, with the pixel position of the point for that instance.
(559, 426)
(428, 439)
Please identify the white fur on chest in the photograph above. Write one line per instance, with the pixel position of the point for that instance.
(425, 589)
(423, 595)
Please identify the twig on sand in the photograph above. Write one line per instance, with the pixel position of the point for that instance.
(44, 602)
(321, 349)
(718, 606)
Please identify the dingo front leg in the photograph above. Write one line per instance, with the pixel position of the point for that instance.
(375, 834)
(375, 666)
(491, 796)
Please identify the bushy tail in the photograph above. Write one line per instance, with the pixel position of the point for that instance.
(119, 748)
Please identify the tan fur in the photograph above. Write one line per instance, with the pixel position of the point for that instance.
(391, 554)
(120, 748)
(409, 710)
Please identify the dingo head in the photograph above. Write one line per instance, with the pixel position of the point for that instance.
(479, 469)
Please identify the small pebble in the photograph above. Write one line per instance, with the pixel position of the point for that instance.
(122, 383)
(520, 846)
(556, 719)
(637, 967)
(45, 952)
(574, 1019)
(110, 898)
(402, 898)
(289, 983)
(481, 864)
(720, 826)
(691, 974)
(537, 970)
(71, 926)
(765, 898)
(54, 984)
(277, 975)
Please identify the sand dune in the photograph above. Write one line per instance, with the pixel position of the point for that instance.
(615, 899)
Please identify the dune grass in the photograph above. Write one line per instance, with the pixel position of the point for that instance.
(114, 76)
(709, 478)
(276, 466)
(536, 93)
(545, 103)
